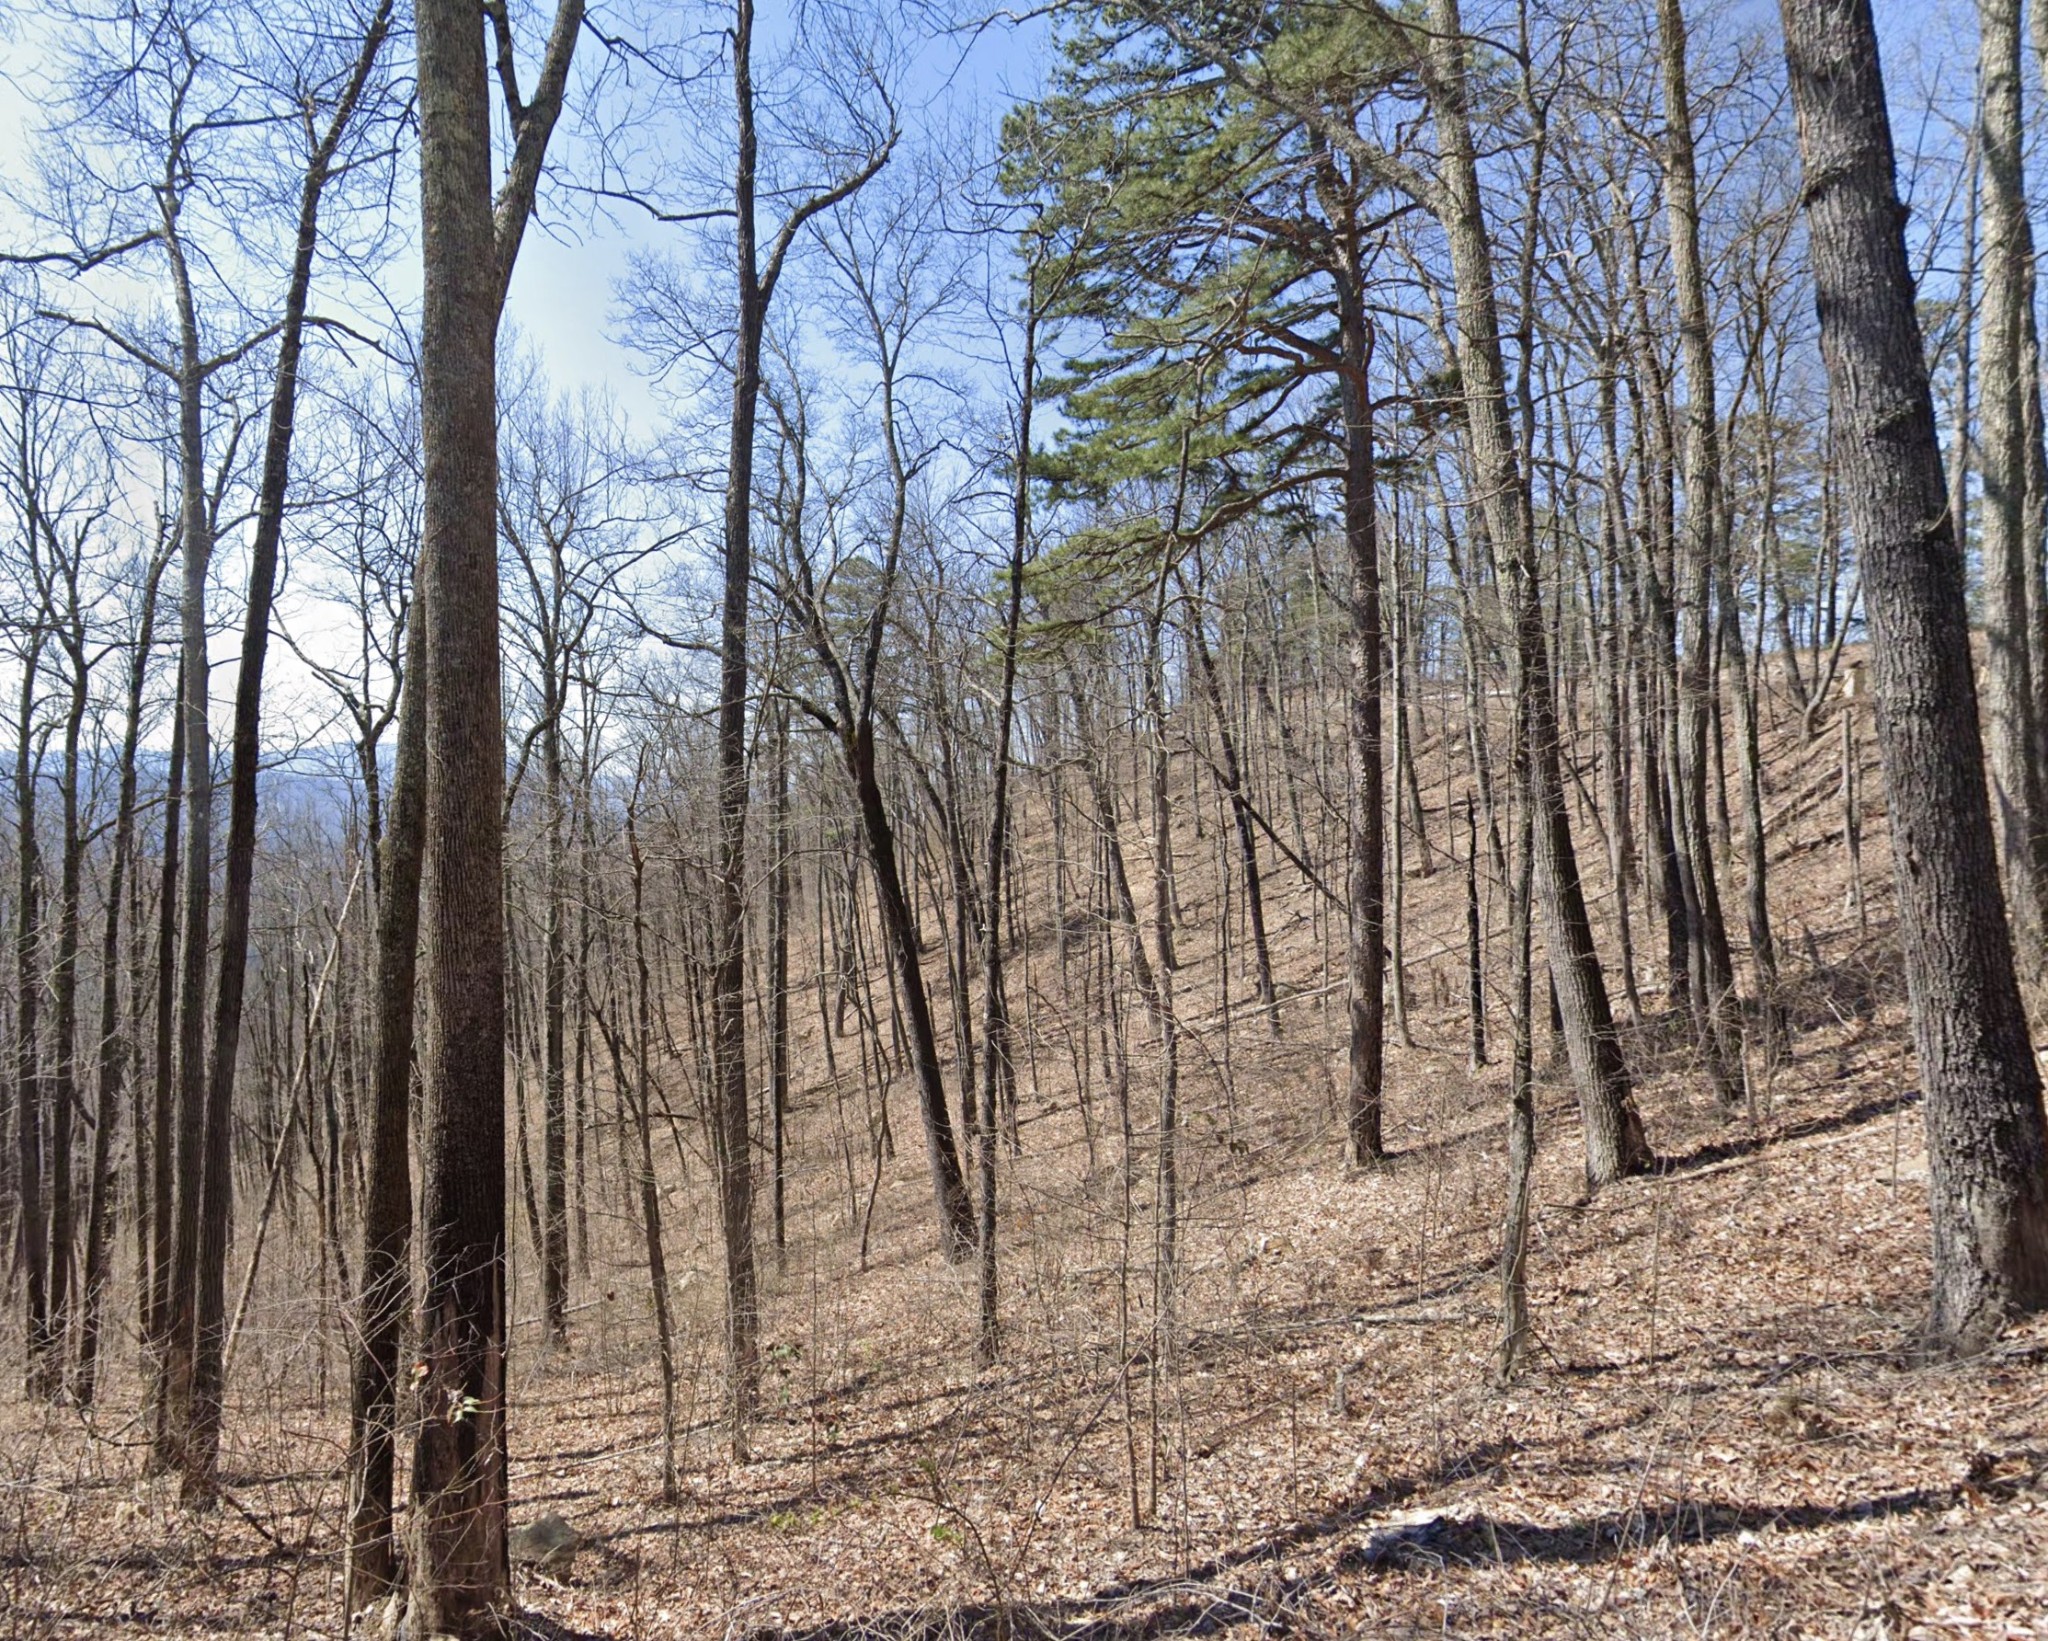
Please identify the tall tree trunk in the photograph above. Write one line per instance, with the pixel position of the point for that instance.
(995, 1003)
(195, 536)
(28, 1080)
(2010, 422)
(216, 1184)
(642, 1084)
(1615, 1143)
(732, 1149)
(63, 1112)
(385, 1266)
(113, 1046)
(156, 1303)
(554, 1248)
(778, 976)
(1705, 554)
(1366, 969)
(460, 1576)
(1987, 1143)
(1515, 1332)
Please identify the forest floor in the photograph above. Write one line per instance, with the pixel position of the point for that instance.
(1723, 1431)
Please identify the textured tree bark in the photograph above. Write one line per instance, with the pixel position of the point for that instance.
(460, 1580)
(385, 1266)
(1987, 1146)
(1706, 553)
(731, 1145)
(2010, 423)
(460, 1577)
(1366, 885)
(195, 540)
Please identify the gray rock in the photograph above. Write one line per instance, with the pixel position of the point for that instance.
(549, 1544)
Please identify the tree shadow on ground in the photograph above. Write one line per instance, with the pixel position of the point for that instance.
(1248, 1585)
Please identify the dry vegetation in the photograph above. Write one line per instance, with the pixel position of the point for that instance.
(1723, 1432)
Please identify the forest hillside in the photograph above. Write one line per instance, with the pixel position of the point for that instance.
(827, 819)
(1722, 1427)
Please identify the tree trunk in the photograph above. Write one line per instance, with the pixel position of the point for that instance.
(385, 1266)
(460, 1576)
(28, 1081)
(949, 1184)
(195, 533)
(554, 1240)
(995, 1004)
(1705, 542)
(2009, 413)
(1366, 888)
(1615, 1143)
(156, 1303)
(216, 1185)
(64, 998)
(112, 1045)
(1987, 1146)
(731, 1142)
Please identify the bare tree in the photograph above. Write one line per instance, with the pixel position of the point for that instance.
(470, 240)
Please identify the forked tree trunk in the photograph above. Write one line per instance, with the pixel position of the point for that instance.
(1706, 552)
(460, 1575)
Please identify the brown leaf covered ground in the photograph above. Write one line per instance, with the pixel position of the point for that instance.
(1724, 1432)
